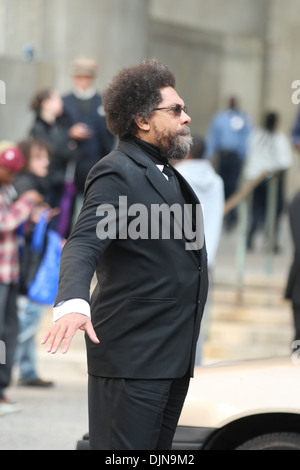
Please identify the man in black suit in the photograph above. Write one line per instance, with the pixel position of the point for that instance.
(141, 230)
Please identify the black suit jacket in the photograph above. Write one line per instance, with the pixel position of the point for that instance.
(149, 300)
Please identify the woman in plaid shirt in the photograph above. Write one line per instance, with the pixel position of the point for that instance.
(12, 214)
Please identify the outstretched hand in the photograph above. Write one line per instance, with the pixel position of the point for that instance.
(65, 329)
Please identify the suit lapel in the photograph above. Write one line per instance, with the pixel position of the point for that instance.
(157, 179)
(154, 175)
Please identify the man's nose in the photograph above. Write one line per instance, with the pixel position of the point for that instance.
(185, 118)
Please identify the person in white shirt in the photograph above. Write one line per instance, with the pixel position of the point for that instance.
(209, 188)
(269, 151)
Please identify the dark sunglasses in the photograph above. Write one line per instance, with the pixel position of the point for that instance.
(176, 109)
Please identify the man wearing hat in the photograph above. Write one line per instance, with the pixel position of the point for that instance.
(12, 214)
(84, 108)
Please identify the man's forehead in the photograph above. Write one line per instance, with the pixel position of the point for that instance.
(170, 96)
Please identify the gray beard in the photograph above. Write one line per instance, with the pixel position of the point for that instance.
(178, 148)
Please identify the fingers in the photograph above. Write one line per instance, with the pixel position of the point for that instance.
(91, 333)
(64, 330)
(58, 334)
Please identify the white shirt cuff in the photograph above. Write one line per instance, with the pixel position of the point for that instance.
(71, 306)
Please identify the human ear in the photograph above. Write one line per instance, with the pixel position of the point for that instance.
(143, 123)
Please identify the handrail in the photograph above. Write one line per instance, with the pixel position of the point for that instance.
(240, 198)
(243, 192)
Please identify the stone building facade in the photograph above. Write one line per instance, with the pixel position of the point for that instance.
(216, 48)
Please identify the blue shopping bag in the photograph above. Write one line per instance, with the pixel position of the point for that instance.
(44, 286)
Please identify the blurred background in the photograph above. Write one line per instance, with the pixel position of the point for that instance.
(248, 49)
(244, 47)
(217, 49)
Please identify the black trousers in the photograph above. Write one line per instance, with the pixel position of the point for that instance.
(230, 167)
(133, 414)
(296, 316)
(9, 330)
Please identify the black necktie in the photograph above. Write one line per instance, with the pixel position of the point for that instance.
(173, 180)
(168, 171)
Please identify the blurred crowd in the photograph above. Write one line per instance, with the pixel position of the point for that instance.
(45, 173)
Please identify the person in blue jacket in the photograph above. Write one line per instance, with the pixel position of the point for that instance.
(227, 141)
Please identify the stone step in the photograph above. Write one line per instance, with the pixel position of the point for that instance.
(236, 333)
(253, 296)
(255, 323)
(238, 342)
(214, 353)
(257, 315)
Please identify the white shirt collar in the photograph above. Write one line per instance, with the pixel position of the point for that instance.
(85, 94)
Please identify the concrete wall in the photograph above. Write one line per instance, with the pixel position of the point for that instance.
(114, 32)
(233, 17)
(260, 40)
(22, 80)
(216, 48)
(210, 68)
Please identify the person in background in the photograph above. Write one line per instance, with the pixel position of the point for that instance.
(83, 108)
(296, 132)
(33, 176)
(209, 188)
(269, 151)
(227, 142)
(54, 129)
(292, 291)
(13, 212)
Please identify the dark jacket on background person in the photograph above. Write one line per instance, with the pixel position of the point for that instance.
(293, 284)
(148, 303)
(63, 149)
(26, 181)
(90, 112)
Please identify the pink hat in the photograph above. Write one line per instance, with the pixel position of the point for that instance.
(13, 159)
